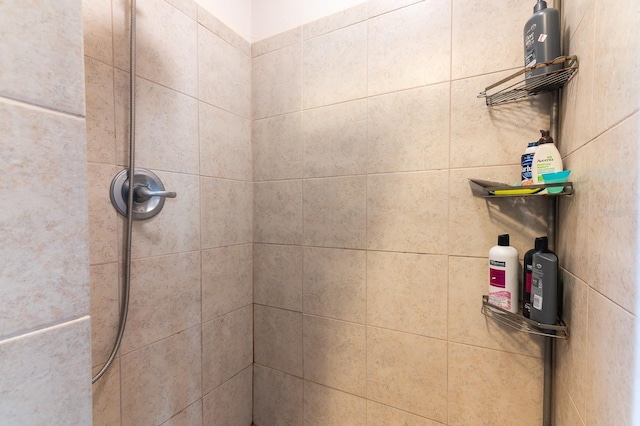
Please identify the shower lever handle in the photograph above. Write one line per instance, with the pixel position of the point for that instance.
(143, 193)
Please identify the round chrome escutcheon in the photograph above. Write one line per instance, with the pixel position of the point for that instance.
(149, 193)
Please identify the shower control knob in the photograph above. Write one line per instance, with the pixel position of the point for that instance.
(148, 193)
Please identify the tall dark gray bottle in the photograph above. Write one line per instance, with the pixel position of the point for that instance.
(544, 288)
(542, 39)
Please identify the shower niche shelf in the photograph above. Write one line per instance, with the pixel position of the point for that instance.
(517, 87)
(520, 323)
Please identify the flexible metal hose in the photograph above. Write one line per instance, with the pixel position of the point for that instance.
(124, 308)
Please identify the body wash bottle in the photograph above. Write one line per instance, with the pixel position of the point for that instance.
(503, 275)
(546, 159)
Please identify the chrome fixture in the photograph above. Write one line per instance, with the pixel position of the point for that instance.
(148, 193)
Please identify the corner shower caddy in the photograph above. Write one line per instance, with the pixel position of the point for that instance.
(514, 88)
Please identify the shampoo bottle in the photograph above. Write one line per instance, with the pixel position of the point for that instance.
(546, 159)
(542, 39)
(541, 244)
(503, 275)
(526, 160)
(544, 288)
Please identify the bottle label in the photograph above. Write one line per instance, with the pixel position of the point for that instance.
(537, 302)
(526, 166)
(501, 299)
(497, 277)
(528, 281)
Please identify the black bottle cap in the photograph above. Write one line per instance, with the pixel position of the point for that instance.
(503, 240)
(542, 243)
(545, 138)
(539, 6)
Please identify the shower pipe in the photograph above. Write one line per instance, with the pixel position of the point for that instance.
(132, 142)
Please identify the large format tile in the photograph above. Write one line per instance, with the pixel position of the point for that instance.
(225, 144)
(329, 407)
(230, 403)
(407, 292)
(98, 34)
(104, 310)
(227, 347)
(227, 280)
(610, 361)
(277, 147)
(408, 372)
(277, 212)
(224, 74)
(46, 376)
(335, 283)
(277, 276)
(158, 285)
(277, 397)
(514, 381)
(44, 278)
(100, 112)
(103, 217)
(409, 130)
(226, 212)
(613, 219)
(335, 212)
(278, 339)
(409, 47)
(408, 212)
(277, 82)
(166, 44)
(335, 140)
(161, 379)
(335, 67)
(42, 60)
(335, 354)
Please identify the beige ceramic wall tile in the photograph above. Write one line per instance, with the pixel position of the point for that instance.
(617, 41)
(166, 44)
(573, 14)
(230, 403)
(514, 381)
(227, 280)
(335, 354)
(277, 276)
(121, 85)
(166, 129)
(409, 130)
(105, 309)
(610, 354)
(277, 212)
(482, 136)
(177, 227)
(335, 212)
(468, 282)
(97, 28)
(573, 218)
(44, 278)
(277, 82)
(475, 222)
(407, 292)
(278, 339)
(564, 411)
(161, 379)
(571, 355)
(188, 7)
(100, 112)
(190, 416)
(378, 7)
(488, 39)
(383, 415)
(277, 147)
(336, 21)
(103, 217)
(44, 65)
(227, 347)
(335, 140)
(409, 47)
(217, 27)
(329, 407)
(106, 396)
(577, 109)
(613, 219)
(226, 212)
(158, 286)
(45, 376)
(408, 212)
(278, 41)
(225, 144)
(224, 74)
(408, 372)
(277, 397)
(335, 283)
(335, 67)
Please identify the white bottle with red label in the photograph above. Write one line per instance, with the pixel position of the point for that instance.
(503, 275)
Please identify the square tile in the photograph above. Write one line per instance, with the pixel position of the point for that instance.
(105, 395)
(104, 310)
(329, 407)
(97, 28)
(277, 147)
(226, 212)
(190, 416)
(277, 276)
(383, 415)
(230, 403)
(100, 112)
(277, 212)
(277, 397)
(103, 217)
(336, 21)
(278, 339)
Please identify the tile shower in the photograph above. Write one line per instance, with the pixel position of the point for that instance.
(324, 260)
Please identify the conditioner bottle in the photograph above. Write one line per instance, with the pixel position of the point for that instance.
(503, 275)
